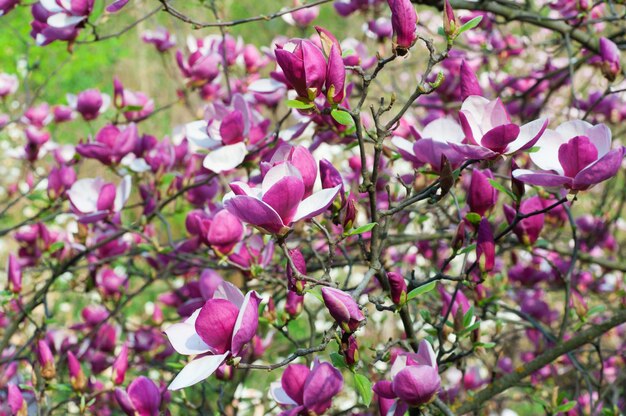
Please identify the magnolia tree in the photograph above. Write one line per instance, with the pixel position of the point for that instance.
(392, 208)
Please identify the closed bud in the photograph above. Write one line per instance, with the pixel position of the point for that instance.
(294, 304)
(120, 365)
(450, 23)
(46, 360)
(404, 23)
(610, 54)
(294, 283)
(397, 287)
(485, 247)
(349, 214)
(14, 274)
(16, 401)
(481, 196)
(343, 308)
(77, 377)
(459, 237)
(350, 349)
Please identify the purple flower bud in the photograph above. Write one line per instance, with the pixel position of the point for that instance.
(335, 77)
(450, 22)
(527, 229)
(90, 103)
(328, 40)
(77, 377)
(225, 232)
(297, 258)
(398, 288)
(303, 17)
(16, 401)
(329, 175)
(404, 22)
(62, 113)
(46, 360)
(350, 350)
(14, 274)
(60, 180)
(610, 54)
(304, 67)
(417, 384)
(342, 308)
(120, 365)
(294, 304)
(481, 196)
(160, 38)
(485, 246)
(349, 214)
(469, 82)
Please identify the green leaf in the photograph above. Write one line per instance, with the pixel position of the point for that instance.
(362, 229)
(501, 188)
(299, 105)
(467, 318)
(470, 25)
(485, 345)
(316, 293)
(364, 387)
(421, 290)
(337, 360)
(133, 108)
(342, 117)
(565, 407)
(595, 310)
(469, 329)
(467, 249)
(167, 179)
(473, 217)
(533, 149)
(56, 246)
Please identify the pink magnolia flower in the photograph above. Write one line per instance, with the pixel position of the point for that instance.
(469, 83)
(404, 23)
(67, 13)
(110, 144)
(528, 229)
(415, 380)
(489, 131)
(432, 143)
(7, 5)
(485, 246)
(136, 105)
(307, 391)
(95, 199)
(342, 308)
(44, 33)
(278, 202)
(216, 332)
(301, 158)
(89, 103)
(577, 155)
(141, 398)
(304, 67)
(203, 63)
(8, 84)
(15, 399)
(303, 17)
(161, 38)
(226, 131)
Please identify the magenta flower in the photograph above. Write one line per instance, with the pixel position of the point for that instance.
(301, 158)
(481, 196)
(303, 17)
(14, 274)
(136, 105)
(202, 65)
(398, 288)
(141, 398)
(415, 379)
(120, 365)
(45, 359)
(304, 67)
(67, 13)
(6, 6)
(110, 144)
(8, 84)
(335, 76)
(225, 133)
(77, 376)
(160, 38)
(89, 103)
(577, 155)
(44, 33)
(15, 399)
(528, 229)
(610, 54)
(342, 308)
(489, 131)
(404, 23)
(225, 232)
(307, 391)
(278, 202)
(216, 332)
(95, 199)
(432, 143)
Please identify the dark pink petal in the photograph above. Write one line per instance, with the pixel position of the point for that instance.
(577, 154)
(417, 385)
(285, 196)
(293, 380)
(498, 138)
(383, 389)
(304, 161)
(256, 212)
(145, 396)
(469, 82)
(215, 324)
(485, 246)
(473, 152)
(541, 178)
(324, 382)
(106, 198)
(314, 67)
(232, 128)
(247, 322)
(603, 169)
(116, 6)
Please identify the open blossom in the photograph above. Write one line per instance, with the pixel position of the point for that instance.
(67, 13)
(160, 37)
(202, 64)
(577, 155)
(111, 144)
(278, 202)
(226, 131)
(432, 143)
(489, 131)
(42, 32)
(141, 398)
(217, 331)
(303, 391)
(95, 199)
(136, 105)
(404, 23)
(7, 5)
(89, 103)
(414, 381)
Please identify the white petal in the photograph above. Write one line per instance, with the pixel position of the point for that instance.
(280, 396)
(122, 193)
(185, 340)
(72, 100)
(398, 365)
(316, 202)
(196, 134)
(444, 129)
(600, 136)
(265, 85)
(84, 194)
(403, 144)
(106, 102)
(230, 292)
(61, 20)
(547, 157)
(197, 370)
(226, 157)
(51, 6)
(527, 132)
(573, 128)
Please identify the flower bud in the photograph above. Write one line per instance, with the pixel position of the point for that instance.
(610, 54)
(300, 264)
(77, 377)
(328, 40)
(46, 360)
(342, 308)
(120, 365)
(350, 349)
(225, 232)
(485, 246)
(14, 273)
(397, 287)
(349, 214)
(16, 401)
(404, 23)
(481, 196)
(459, 237)
(335, 77)
(450, 23)
(294, 304)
